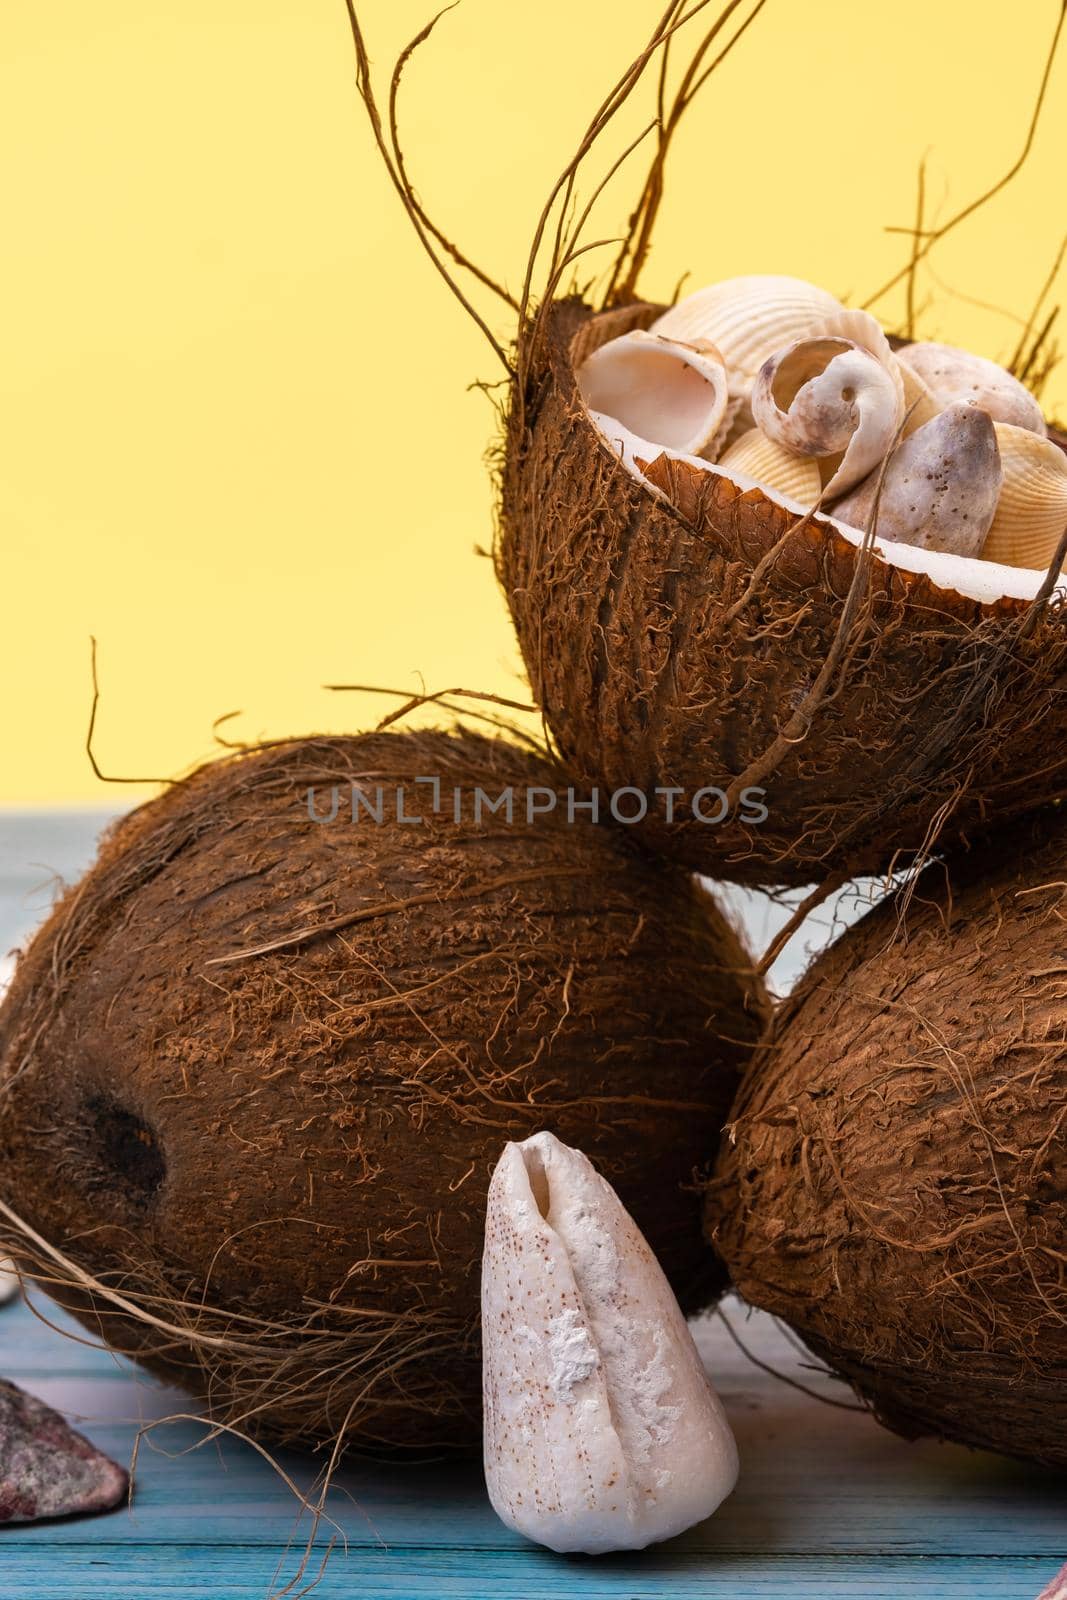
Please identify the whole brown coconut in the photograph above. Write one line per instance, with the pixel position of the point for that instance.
(706, 639)
(256, 1069)
(896, 1184)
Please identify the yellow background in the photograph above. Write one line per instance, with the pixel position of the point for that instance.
(236, 437)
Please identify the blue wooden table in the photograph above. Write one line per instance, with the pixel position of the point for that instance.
(829, 1505)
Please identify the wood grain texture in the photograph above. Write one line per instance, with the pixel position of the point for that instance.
(207, 1572)
(828, 1505)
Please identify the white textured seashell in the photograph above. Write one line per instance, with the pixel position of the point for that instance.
(1031, 514)
(772, 464)
(952, 374)
(9, 1282)
(671, 393)
(919, 404)
(941, 485)
(831, 397)
(602, 1431)
(862, 329)
(747, 319)
(740, 425)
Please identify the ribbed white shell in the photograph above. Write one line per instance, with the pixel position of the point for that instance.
(748, 319)
(1031, 513)
(773, 466)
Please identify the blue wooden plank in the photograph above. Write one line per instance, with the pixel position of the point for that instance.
(814, 1479)
(208, 1573)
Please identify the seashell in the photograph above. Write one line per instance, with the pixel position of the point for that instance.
(46, 1469)
(773, 465)
(1031, 513)
(9, 1282)
(668, 392)
(833, 397)
(602, 1431)
(919, 404)
(941, 485)
(747, 319)
(728, 429)
(951, 374)
(864, 330)
(742, 423)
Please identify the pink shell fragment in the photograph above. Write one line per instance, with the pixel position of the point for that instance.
(48, 1470)
(1057, 1589)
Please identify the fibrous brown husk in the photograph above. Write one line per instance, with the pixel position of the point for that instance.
(896, 1184)
(256, 1069)
(711, 641)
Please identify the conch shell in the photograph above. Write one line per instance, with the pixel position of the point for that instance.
(747, 319)
(602, 1431)
(951, 374)
(1031, 513)
(664, 390)
(770, 464)
(837, 395)
(940, 488)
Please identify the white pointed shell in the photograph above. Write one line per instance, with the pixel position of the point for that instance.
(771, 464)
(602, 1431)
(1031, 513)
(747, 319)
(663, 390)
(951, 374)
(833, 397)
(9, 1282)
(940, 488)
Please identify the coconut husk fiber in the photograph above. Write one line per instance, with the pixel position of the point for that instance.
(256, 1069)
(706, 635)
(895, 1182)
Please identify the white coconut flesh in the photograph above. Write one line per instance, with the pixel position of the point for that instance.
(984, 581)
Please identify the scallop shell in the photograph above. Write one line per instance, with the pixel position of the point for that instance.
(837, 395)
(1031, 513)
(748, 318)
(940, 487)
(952, 374)
(796, 477)
(667, 391)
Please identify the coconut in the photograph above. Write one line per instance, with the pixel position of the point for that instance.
(797, 700)
(895, 1184)
(258, 1066)
(803, 705)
